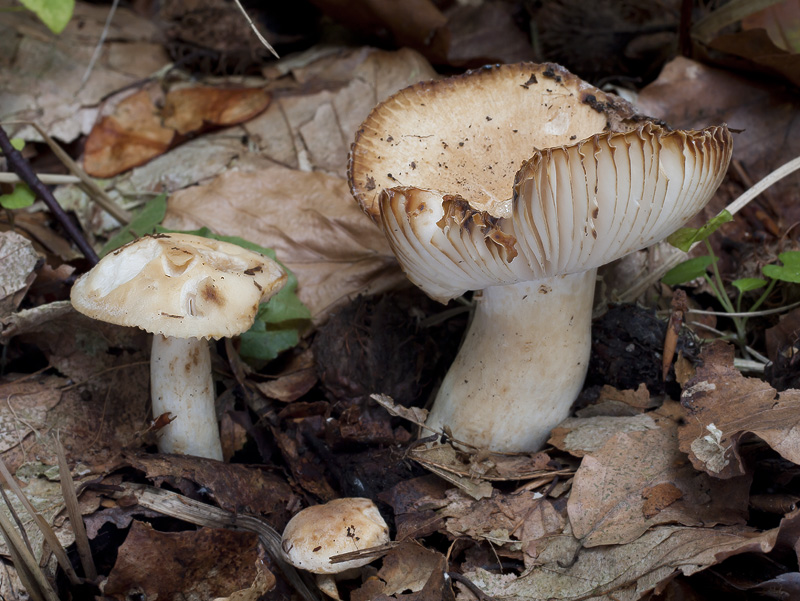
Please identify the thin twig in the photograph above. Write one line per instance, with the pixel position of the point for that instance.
(44, 527)
(49, 179)
(74, 513)
(20, 166)
(261, 38)
(100, 43)
(473, 588)
(86, 183)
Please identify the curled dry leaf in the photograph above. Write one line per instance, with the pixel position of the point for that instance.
(233, 486)
(131, 136)
(623, 572)
(407, 567)
(202, 564)
(514, 522)
(638, 480)
(189, 110)
(721, 405)
(309, 219)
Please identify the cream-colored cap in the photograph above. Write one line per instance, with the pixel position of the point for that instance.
(179, 285)
(520, 172)
(319, 532)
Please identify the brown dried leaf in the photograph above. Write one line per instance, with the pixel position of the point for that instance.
(417, 24)
(407, 567)
(191, 565)
(758, 49)
(309, 219)
(263, 583)
(233, 486)
(131, 136)
(638, 480)
(514, 522)
(414, 503)
(188, 110)
(721, 405)
(297, 378)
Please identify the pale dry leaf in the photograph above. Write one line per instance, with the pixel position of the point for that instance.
(514, 522)
(309, 219)
(47, 499)
(314, 130)
(639, 480)
(17, 262)
(721, 405)
(622, 572)
(581, 435)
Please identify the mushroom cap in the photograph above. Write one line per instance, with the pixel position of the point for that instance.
(319, 532)
(522, 172)
(468, 135)
(179, 285)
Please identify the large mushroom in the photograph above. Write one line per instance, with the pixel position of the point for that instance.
(519, 181)
(184, 289)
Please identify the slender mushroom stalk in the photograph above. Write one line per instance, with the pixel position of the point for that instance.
(181, 384)
(185, 290)
(452, 172)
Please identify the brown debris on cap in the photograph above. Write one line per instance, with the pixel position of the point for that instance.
(319, 532)
(468, 135)
(179, 285)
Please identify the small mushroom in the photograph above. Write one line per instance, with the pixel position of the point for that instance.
(319, 532)
(184, 289)
(519, 181)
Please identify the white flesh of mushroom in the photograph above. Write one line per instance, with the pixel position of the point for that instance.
(521, 364)
(182, 385)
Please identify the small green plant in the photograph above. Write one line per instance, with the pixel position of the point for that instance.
(279, 321)
(21, 195)
(53, 13)
(698, 267)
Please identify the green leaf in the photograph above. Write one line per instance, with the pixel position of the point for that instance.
(686, 236)
(18, 143)
(19, 198)
(687, 271)
(747, 284)
(789, 271)
(265, 343)
(53, 13)
(145, 222)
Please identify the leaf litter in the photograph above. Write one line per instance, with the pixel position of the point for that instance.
(635, 493)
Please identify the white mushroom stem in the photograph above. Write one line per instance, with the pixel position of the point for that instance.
(521, 364)
(181, 383)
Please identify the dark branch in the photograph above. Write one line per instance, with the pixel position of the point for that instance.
(18, 164)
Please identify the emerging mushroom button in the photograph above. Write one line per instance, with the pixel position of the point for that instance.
(184, 289)
(319, 532)
(519, 181)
